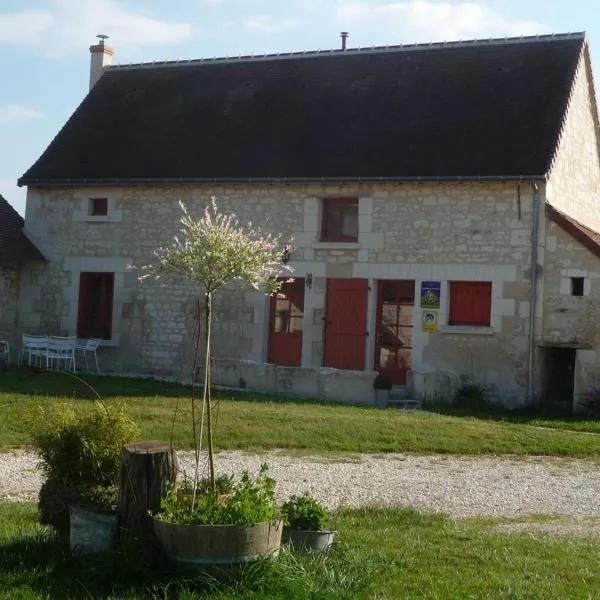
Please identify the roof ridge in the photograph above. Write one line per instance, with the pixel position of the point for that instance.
(354, 51)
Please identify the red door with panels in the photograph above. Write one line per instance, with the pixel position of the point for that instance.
(286, 319)
(395, 308)
(345, 323)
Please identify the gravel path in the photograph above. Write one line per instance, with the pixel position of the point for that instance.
(459, 486)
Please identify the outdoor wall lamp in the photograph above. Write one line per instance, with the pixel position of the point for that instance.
(308, 281)
(285, 255)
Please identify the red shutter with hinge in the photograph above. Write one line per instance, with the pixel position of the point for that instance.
(470, 303)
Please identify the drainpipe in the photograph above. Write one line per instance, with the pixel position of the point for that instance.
(535, 226)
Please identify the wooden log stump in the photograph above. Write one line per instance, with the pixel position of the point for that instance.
(147, 469)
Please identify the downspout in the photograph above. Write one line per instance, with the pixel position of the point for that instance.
(535, 226)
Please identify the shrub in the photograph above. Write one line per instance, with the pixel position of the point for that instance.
(80, 455)
(591, 404)
(247, 502)
(304, 512)
(83, 447)
(471, 396)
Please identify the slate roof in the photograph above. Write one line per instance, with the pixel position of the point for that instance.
(481, 109)
(14, 244)
(587, 237)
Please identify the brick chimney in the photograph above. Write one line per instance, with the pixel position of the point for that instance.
(101, 56)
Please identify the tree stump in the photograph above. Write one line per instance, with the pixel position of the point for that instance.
(147, 469)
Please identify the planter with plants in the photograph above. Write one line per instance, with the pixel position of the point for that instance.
(305, 524)
(202, 522)
(382, 384)
(80, 456)
(236, 523)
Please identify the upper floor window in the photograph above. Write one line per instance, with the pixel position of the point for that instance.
(470, 303)
(577, 286)
(340, 220)
(99, 207)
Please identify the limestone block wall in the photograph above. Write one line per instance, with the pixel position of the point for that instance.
(473, 232)
(9, 289)
(568, 320)
(574, 182)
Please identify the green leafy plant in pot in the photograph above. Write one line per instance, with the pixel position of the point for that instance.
(211, 253)
(80, 452)
(306, 523)
(382, 384)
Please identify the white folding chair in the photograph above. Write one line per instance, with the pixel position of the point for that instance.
(90, 345)
(61, 350)
(35, 347)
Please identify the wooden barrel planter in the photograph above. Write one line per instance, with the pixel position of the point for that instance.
(301, 540)
(222, 545)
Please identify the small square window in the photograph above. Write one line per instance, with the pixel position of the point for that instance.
(98, 207)
(340, 220)
(577, 286)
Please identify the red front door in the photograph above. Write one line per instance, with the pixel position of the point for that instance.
(285, 324)
(393, 350)
(345, 323)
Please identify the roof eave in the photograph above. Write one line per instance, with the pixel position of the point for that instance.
(69, 182)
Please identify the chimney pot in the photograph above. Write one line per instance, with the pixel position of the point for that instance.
(344, 36)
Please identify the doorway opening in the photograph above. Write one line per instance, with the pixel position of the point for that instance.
(558, 378)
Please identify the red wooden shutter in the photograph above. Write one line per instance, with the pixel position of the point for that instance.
(346, 323)
(470, 303)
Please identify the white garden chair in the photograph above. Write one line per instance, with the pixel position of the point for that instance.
(61, 350)
(90, 345)
(35, 348)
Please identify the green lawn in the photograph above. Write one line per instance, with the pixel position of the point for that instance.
(383, 554)
(255, 423)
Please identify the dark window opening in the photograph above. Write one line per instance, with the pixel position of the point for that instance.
(340, 220)
(470, 303)
(94, 317)
(577, 286)
(99, 207)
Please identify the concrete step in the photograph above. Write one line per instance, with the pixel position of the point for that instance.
(400, 392)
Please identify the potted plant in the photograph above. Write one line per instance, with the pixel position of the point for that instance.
(382, 384)
(236, 523)
(200, 523)
(305, 520)
(80, 455)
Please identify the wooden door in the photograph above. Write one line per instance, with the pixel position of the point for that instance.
(393, 350)
(286, 320)
(345, 323)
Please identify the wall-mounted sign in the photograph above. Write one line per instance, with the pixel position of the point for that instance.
(430, 294)
(429, 321)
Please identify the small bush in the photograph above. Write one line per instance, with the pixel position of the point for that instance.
(591, 404)
(81, 458)
(304, 512)
(83, 447)
(471, 396)
(247, 502)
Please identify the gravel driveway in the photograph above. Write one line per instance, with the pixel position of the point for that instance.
(459, 486)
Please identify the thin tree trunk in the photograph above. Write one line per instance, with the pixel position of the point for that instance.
(207, 324)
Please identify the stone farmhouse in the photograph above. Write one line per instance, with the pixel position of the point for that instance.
(443, 200)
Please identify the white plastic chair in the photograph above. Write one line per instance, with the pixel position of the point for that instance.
(90, 345)
(61, 349)
(35, 347)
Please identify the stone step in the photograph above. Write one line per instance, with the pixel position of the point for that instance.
(405, 403)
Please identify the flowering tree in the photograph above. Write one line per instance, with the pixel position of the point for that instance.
(212, 252)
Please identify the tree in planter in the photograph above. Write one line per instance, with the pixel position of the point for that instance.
(211, 253)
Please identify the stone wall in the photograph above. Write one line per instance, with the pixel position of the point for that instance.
(574, 182)
(568, 320)
(9, 306)
(445, 232)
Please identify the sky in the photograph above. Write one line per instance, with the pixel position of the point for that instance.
(44, 44)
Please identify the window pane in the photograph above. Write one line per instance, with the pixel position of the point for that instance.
(350, 221)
